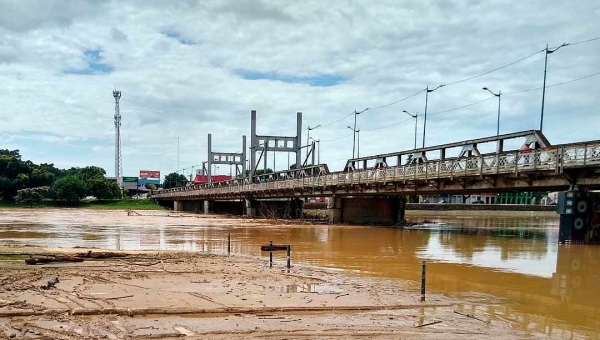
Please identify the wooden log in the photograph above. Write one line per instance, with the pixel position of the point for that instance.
(44, 260)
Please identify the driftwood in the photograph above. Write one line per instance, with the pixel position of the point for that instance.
(43, 260)
(101, 255)
(51, 284)
(469, 316)
(429, 324)
(275, 247)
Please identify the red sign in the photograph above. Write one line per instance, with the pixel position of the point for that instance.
(149, 174)
(216, 178)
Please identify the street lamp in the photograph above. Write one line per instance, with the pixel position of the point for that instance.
(308, 135)
(499, 94)
(357, 133)
(548, 51)
(415, 117)
(427, 90)
(354, 129)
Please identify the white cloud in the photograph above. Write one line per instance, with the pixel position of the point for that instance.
(177, 65)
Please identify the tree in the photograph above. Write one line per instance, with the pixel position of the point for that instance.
(31, 196)
(69, 188)
(102, 188)
(151, 186)
(173, 180)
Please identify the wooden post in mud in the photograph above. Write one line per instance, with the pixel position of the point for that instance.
(423, 281)
(270, 254)
(228, 243)
(289, 256)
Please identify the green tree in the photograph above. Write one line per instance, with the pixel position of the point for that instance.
(173, 180)
(41, 177)
(102, 188)
(151, 186)
(69, 188)
(31, 196)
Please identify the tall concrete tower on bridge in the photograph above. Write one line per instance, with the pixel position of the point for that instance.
(118, 157)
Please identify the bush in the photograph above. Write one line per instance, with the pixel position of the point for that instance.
(31, 196)
(69, 188)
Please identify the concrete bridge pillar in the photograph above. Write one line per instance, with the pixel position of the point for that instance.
(209, 207)
(579, 217)
(297, 208)
(250, 207)
(334, 209)
(400, 207)
(178, 206)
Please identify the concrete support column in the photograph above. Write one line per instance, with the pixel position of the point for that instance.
(250, 207)
(334, 209)
(178, 206)
(400, 208)
(297, 208)
(209, 207)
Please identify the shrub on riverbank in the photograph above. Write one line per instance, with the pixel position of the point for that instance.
(142, 204)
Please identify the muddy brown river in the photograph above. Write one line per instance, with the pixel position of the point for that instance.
(510, 261)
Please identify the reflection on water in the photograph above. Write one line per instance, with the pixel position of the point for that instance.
(542, 286)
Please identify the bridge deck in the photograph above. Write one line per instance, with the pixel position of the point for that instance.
(554, 167)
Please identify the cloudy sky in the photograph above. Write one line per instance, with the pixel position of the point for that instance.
(188, 68)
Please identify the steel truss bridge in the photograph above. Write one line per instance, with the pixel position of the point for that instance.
(536, 166)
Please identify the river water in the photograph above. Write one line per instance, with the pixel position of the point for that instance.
(511, 259)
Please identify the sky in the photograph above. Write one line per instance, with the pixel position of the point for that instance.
(189, 68)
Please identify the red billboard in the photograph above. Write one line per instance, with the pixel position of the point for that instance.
(149, 174)
(216, 178)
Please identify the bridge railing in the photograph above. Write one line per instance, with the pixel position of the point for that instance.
(548, 159)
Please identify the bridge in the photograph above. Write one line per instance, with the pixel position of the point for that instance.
(374, 189)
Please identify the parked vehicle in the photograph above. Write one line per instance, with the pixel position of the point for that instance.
(478, 202)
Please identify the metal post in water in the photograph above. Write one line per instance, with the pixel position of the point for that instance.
(289, 256)
(270, 254)
(228, 243)
(423, 281)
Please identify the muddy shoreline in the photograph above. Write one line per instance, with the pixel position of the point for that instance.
(166, 294)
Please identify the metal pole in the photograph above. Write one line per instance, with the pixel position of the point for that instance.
(358, 143)
(319, 152)
(416, 118)
(307, 138)
(354, 134)
(270, 254)
(423, 281)
(289, 256)
(544, 89)
(178, 153)
(228, 243)
(498, 126)
(425, 118)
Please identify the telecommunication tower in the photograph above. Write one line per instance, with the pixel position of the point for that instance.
(118, 158)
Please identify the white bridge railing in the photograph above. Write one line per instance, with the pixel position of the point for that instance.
(555, 158)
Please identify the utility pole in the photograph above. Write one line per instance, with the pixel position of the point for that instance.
(499, 95)
(427, 90)
(354, 129)
(177, 153)
(118, 154)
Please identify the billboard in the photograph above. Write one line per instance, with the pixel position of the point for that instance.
(149, 174)
(130, 179)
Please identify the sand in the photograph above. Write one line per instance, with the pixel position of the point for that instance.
(168, 295)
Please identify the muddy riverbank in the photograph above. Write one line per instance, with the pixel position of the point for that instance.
(164, 295)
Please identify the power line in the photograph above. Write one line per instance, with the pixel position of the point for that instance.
(337, 121)
(331, 140)
(584, 41)
(494, 70)
(553, 85)
(397, 101)
(387, 126)
(464, 106)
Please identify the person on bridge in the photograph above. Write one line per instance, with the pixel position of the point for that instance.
(525, 149)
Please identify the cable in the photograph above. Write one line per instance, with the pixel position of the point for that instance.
(553, 85)
(387, 126)
(397, 101)
(331, 140)
(461, 107)
(337, 121)
(584, 41)
(494, 70)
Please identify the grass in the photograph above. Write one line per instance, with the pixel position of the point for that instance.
(141, 204)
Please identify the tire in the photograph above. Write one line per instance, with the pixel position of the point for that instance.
(582, 206)
(579, 223)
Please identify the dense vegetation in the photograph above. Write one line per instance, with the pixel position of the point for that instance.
(28, 183)
(173, 180)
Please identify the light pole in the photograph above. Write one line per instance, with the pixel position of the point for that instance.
(177, 153)
(548, 51)
(354, 129)
(318, 141)
(499, 94)
(427, 90)
(308, 135)
(357, 133)
(415, 116)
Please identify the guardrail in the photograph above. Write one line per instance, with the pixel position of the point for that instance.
(555, 158)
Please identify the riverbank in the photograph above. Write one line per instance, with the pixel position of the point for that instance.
(166, 295)
(127, 204)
